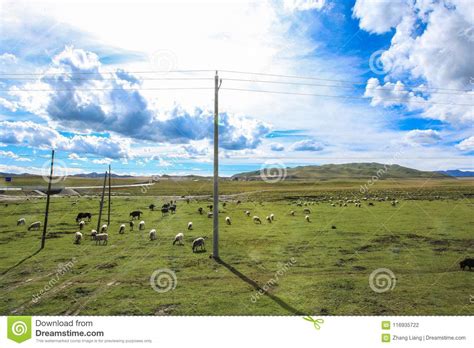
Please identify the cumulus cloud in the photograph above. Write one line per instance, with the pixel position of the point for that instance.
(31, 134)
(13, 156)
(8, 58)
(304, 5)
(423, 137)
(307, 145)
(277, 147)
(391, 94)
(466, 145)
(112, 103)
(433, 42)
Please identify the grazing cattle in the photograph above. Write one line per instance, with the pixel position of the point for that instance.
(466, 263)
(141, 225)
(151, 207)
(34, 226)
(247, 213)
(77, 238)
(179, 239)
(164, 211)
(307, 218)
(190, 225)
(122, 229)
(272, 217)
(82, 224)
(200, 210)
(101, 237)
(199, 242)
(81, 216)
(152, 234)
(209, 214)
(136, 214)
(256, 219)
(227, 220)
(104, 228)
(21, 221)
(132, 224)
(173, 209)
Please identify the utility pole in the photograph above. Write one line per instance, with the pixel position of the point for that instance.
(108, 211)
(101, 203)
(215, 234)
(48, 193)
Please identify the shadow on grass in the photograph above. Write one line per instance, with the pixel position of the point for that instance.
(257, 287)
(20, 262)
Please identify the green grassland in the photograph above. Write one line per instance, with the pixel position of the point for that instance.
(421, 240)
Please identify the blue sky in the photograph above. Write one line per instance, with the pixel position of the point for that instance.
(390, 82)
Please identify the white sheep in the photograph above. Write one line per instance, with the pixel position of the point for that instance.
(307, 218)
(21, 221)
(101, 237)
(35, 225)
(93, 234)
(141, 225)
(227, 220)
(179, 239)
(256, 219)
(77, 238)
(103, 229)
(269, 219)
(190, 225)
(272, 217)
(131, 223)
(209, 214)
(247, 213)
(307, 211)
(292, 213)
(82, 223)
(122, 229)
(152, 234)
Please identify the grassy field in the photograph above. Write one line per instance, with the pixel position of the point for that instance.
(321, 267)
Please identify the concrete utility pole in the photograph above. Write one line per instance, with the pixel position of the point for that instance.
(48, 193)
(215, 240)
(102, 204)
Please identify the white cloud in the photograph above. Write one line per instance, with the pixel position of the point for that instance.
(8, 58)
(466, 145)
(13, 156)
(307, 145)
(304, 5)
(380, 16)
(102, 161)
(423, 137)
(277, 147)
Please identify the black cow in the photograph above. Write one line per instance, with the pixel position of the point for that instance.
(173, 209)
(81, 216)
(200, 210)
(164, 211)
(466, 263)
(210, 206)
(152, 207)
(166, 205)
(136, 214)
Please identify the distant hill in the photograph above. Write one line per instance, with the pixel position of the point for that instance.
(458, 173)
(346, 171)
(100, 175)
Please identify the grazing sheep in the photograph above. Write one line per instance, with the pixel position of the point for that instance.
(333, 205)
(122, 229)
(152, 234)
(21, 221)
(307, 211)
(227, 220)
(307, 218)
(179, 239)
(82, 224)
(209, 214)
(101, 237)
(269, 219)
(256, 219)
(35, 225)
(371, 204)
(141, 225)
(103, 229)
(200, 210)
(132, 224)
(93, 234)
(292, 213)
(466, 263)
(198, 242)
(247, 213)
(272, 217)
(190, 225)
(77, 238)
(152, 207)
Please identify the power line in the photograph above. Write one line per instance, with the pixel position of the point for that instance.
(105, 72)
(103, 89)
(113, 79)
(341, 96)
